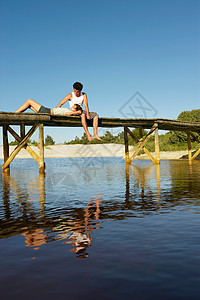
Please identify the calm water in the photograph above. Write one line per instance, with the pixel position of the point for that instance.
(91, 228)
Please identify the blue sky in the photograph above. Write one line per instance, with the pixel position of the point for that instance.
(115, 48)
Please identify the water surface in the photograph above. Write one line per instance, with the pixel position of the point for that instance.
(96, 228)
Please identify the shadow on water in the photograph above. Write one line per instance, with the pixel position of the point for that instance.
(32, 209)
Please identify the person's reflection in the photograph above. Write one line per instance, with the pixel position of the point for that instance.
(34, 238)
(80, 229)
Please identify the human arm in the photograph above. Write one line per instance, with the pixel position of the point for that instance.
(86, 106)
(64, 100)
(71, 113)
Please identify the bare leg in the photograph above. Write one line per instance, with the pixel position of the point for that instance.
(33, 105)
(95, 127)
(84, 124)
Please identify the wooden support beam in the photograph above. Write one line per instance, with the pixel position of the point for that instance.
(197, 140)
(139, 145)
(144, 149)
(22, 130)
(28, 149)
(137, 141)
(5, 147)
(41, 148)
(149, 155)
(189, 146)
(126, 144)
(20, 146)
(157, 149)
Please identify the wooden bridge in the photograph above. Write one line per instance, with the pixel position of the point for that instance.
(7, 119)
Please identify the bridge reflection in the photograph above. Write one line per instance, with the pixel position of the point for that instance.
(148, 188)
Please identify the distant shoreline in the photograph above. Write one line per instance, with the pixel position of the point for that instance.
(94, 150)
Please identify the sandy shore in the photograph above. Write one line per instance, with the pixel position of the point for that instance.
(98, 150)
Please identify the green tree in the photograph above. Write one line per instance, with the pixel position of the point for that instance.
(49, 140)
(187, 116)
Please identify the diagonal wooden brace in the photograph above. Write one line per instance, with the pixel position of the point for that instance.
(198, 151)
(28, 149)
(140, 146)
(21, 144)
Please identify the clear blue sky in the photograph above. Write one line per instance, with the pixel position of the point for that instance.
(114, 47)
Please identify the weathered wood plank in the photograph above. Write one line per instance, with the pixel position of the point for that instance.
(75, 121)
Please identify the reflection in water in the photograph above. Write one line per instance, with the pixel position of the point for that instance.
(34, 238)
(77, 231)
(147, 189)
(137, 226)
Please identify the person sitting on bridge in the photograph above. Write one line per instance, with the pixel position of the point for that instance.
(38, 108)
(78, 97)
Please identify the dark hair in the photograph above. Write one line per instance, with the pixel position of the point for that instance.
(78, 86)
(78, 107)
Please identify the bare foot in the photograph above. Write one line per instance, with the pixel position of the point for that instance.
(89, 138)
(97, 137)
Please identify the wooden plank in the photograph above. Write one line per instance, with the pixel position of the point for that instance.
(20, 146)
(28, 149)
(74, 121)
(41, 148)
(5, 147)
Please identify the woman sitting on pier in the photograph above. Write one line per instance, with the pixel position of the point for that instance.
(38, 108)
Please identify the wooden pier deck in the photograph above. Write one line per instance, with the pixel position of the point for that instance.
(7, 119)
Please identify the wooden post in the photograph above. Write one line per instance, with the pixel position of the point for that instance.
(5, 147)
(189, 146)
(41, 148)
(157, 150)
(22, 130)
(19, 147)
(126, 144)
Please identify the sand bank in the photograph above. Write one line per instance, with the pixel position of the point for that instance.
(98, 150)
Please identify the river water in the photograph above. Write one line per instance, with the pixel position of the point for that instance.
(94, 228)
